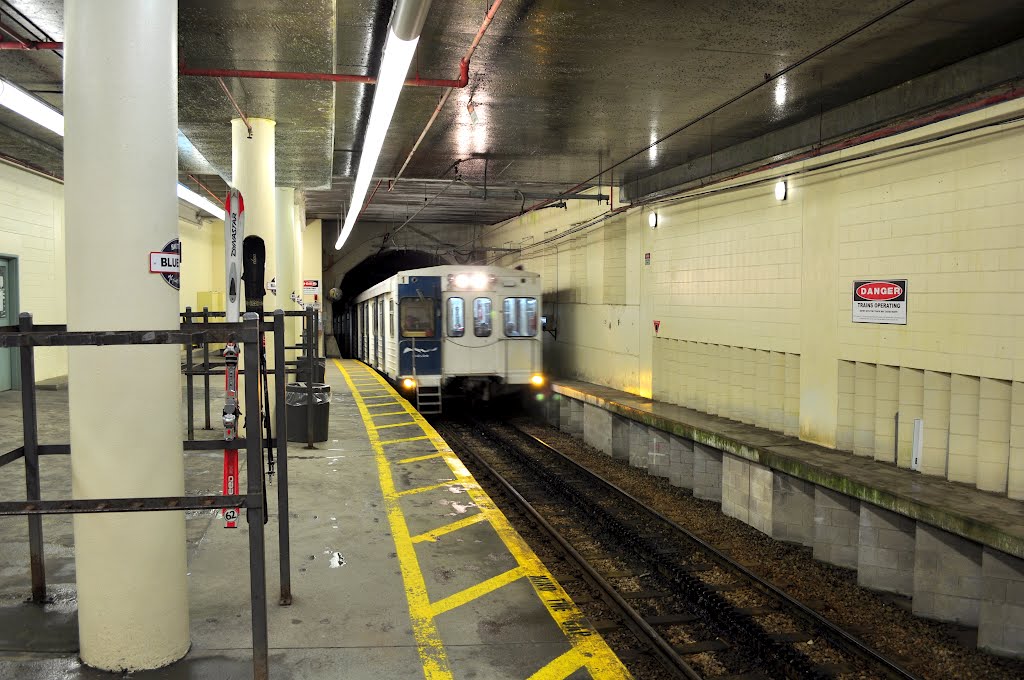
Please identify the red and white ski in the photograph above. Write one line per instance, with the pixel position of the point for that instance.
(234, 230)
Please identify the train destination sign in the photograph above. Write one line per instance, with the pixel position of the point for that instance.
(880, 301)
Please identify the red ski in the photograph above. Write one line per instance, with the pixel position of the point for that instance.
(234, 228)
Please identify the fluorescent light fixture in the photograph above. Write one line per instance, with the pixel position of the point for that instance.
(652, 220)
(393, 70)
(189, 196)
(780, 91)
(36, 110)
(781, 189)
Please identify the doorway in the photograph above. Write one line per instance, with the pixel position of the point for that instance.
(8, 317)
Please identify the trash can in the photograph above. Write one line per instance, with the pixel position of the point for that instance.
(296, 410)
(319, 369)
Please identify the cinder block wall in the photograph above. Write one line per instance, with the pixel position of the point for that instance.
(753, 300)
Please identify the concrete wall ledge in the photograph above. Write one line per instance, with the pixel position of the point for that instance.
(988, 519)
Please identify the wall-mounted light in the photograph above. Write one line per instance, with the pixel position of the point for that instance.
(36, 110)
(652, 220)
(781, 190)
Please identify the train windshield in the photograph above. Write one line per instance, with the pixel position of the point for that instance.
(417, 317)
(482, 317)
(520, 317)
(456, 317)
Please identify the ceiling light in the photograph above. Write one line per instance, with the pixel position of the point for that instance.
(36, 110)
(189, 196)
(780, 91)
(652, 220)
(781, 189)
(393, 70)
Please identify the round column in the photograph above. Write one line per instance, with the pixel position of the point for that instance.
(252, 173)
(120, 168)
(288, 243)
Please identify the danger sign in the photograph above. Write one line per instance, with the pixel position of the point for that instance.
(880, 301)
(310, 286)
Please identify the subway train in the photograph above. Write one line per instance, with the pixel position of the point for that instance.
(469, 330)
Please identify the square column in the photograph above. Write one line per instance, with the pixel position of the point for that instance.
(597, 428)
(620, 437)
(885, 554)
(836, 527)
(680, 454)
(707, 472)
(1001, 623)
(658, 461)
(735, 487)
(792, 510)
(639, 444)
(947, 576)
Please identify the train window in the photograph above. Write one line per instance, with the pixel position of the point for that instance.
(520, 316)
(417, 316)
(482, 317)
(456, 317)
(391, 309)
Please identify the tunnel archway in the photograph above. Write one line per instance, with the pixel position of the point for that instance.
(370, 272)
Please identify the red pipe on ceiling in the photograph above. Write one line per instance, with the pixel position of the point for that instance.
(30, 45)
(461, 82)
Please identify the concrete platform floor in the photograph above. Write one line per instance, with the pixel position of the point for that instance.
(358, 554)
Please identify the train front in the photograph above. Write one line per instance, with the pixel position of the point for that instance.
(489, 333)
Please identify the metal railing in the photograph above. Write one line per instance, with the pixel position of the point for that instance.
(26, 336)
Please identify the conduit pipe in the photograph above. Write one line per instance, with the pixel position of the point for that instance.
(447, 93)
(31, 45)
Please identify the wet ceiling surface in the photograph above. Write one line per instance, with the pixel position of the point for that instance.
(561, 89)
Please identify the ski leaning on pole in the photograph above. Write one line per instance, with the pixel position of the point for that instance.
(254, 258)
(234, 230)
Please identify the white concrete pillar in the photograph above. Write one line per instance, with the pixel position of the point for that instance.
(287, 274)
(120, 168)
(252, 173)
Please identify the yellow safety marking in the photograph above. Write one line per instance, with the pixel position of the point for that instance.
(390, 413)
(475, 592)
(434, 534)
(421, 489)
(405, 439)
(428, 641)
(416, 459)
(562, 666)
(588, 646)
(382, 396)
(389, 425)
(383, 403)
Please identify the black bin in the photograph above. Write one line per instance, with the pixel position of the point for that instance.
(297, 411)
(319, 370)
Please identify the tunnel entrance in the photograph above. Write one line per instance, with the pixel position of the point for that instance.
(367, 273)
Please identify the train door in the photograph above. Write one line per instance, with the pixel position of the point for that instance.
(419, 323)
(8, 317)
(381, 334)
(376, 333)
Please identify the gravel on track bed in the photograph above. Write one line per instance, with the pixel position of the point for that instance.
(930, 649)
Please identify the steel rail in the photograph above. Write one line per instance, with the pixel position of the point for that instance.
(634, 620)
(844, 638)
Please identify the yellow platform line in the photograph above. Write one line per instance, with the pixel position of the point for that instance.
(423, 489)
(434, 534)
(562, 666)
(585, 641)
(416, 459)
(477, 591)
(431, 650)
(381, 396)
(390, 413)
(383, 403)
(418, 438)
(390, 425)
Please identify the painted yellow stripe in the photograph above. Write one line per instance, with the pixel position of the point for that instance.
(422, 489)
(384, 427)
(588, 645)
(418, 438)
(383, 403)
(475, 592)
(561, 667)
(381, 396)
(416, 459)
(390, 413)
(434, 534)
(428, 641)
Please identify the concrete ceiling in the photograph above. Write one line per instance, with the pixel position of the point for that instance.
(562, 89)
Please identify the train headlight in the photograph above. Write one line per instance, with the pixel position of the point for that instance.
(537, 380)
(479, 281)
(408, 383)
(461, 280)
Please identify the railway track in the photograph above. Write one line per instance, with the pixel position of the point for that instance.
(697, 612)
